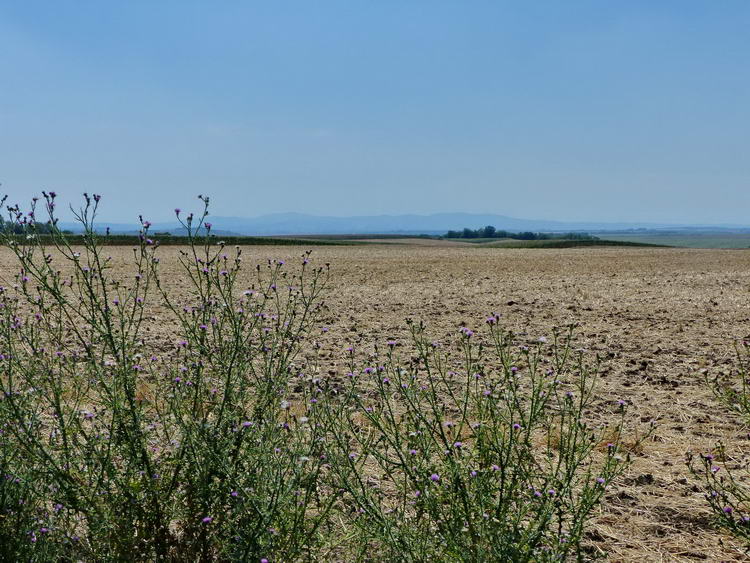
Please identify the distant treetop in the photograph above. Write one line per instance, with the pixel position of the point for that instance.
(491, 232)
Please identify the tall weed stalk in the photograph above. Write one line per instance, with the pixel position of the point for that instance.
(483, 457)
(150, 445)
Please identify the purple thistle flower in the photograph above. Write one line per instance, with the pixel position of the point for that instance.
(434, 477)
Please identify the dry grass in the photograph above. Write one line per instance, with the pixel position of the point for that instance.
(657, 316)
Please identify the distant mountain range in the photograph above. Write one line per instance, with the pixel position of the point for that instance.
(439, 223)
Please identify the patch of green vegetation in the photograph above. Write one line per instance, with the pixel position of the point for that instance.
(359, 237)
(686, 240)
(559, 243)
(479, 240)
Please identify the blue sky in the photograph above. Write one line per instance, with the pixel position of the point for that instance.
(575, 110)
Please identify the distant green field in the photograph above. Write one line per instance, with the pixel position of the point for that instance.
(481, 240)
(355, 237)
(563, 243)
(687, 240)
(132, 240)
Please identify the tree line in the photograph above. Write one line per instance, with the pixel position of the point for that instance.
(491, 232)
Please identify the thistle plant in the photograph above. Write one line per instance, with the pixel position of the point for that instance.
(485, 457)
(24, 518)
(141, 447)
(146, 418)
(734, 391)
(725, 474)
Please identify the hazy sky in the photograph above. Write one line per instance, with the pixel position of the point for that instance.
(572, 110)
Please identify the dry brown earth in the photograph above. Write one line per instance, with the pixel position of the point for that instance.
(660, 316)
